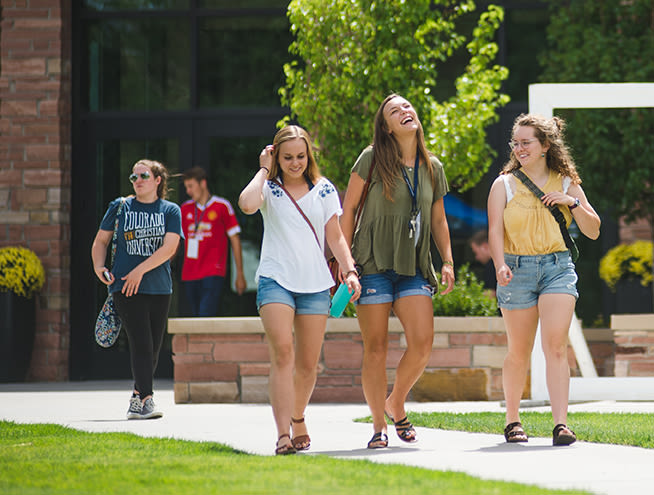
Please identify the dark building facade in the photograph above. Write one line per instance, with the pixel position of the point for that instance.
(89, 87)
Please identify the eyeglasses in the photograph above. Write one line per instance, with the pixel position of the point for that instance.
(524, 143)
(134, 177)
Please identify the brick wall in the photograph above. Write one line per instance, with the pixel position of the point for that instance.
(227, 360)
(634, 340)
(35, 164)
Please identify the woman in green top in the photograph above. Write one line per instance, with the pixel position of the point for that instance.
(391, 244)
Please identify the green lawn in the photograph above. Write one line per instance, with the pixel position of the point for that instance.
(51, 459)
(615, 428)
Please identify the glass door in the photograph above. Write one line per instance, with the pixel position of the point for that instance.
(111, 152)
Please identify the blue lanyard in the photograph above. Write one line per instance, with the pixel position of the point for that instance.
(413, 190)
(197, 220)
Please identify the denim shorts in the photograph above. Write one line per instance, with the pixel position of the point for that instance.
(536, 275)
(388, 286)
(304, 303)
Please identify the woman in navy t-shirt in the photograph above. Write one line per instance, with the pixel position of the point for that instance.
(148, 232)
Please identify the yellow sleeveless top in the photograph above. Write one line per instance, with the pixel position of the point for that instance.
(529, 227)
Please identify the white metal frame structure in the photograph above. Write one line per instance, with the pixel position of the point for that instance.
(543, 99)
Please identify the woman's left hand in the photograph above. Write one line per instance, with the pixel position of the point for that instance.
(447, 278)
(353, 284)
(132, 282)
(557, 198)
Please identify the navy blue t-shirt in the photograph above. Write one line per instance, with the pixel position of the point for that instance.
(141, 231)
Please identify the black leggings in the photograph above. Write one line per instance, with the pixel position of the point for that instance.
(144, 319)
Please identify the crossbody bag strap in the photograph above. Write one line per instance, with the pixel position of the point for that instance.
(364, 195)
(298, 209)
(115, 234)
(554, 210)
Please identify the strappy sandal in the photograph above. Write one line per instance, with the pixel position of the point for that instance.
(285, 449)
(300, 442)
(378, 441)
(513, 433)
(404, 429)
(559, 438)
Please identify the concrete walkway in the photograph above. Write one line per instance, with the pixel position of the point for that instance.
(101, 407)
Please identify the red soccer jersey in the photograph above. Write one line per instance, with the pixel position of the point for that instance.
(207, 230)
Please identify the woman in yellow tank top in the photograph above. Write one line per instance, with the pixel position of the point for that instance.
(536, 277)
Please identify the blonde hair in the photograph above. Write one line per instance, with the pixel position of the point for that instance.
(288, 133)
(158, 170)
(547, 131)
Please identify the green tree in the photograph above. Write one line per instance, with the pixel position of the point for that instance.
(352, 53)
(607, 41)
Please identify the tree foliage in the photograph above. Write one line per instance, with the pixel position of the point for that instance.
(350, 54)
(607, 41)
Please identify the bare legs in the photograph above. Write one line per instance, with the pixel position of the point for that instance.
(416, 315)
(555, 312)
(292, 367)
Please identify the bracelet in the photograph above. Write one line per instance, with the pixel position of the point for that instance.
(451, 263)
(351, 271)
(265, 168)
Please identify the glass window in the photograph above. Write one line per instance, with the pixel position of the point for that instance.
(110, 5)
(240, 60)
(139, 64)
(525, 41)
(231, 4)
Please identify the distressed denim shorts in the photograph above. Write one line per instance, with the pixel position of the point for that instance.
(388, 286)
(304, 303)
(536, 275)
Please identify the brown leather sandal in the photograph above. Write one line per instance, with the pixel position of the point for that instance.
(300, 442)
(559, 437)
(513, 433)
(286, 448)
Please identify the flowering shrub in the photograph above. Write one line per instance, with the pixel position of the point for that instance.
(627, 261)
(21, 271)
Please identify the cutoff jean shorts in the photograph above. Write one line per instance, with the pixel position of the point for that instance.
(388, 286)
(533, 276)
(304, 303)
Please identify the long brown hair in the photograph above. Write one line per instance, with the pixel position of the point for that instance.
(547, 131)
(158, 170)
(312, 172)
(387, 152)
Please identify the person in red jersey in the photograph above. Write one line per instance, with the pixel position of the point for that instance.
(209, 226)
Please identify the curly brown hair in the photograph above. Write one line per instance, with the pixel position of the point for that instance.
(547, 131)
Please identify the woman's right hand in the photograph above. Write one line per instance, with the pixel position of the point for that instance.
(100, 273)
(265, 158)
(504, 275)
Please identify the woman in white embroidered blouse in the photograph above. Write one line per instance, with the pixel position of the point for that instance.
(293, 279)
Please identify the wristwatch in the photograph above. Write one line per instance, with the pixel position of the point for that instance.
(574, 205)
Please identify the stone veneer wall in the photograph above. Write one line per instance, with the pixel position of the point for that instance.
(226, 360)
(634, 340)
(35, 162)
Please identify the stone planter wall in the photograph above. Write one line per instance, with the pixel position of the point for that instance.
(634, 340)
(227, 360)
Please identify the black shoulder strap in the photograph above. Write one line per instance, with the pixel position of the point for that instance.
(554, 210)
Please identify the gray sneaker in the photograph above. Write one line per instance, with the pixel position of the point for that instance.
(149, 410)
(135, 408)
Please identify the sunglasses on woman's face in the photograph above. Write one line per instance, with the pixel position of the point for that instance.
(134, 177)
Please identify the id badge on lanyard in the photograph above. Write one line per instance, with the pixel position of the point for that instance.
(414, 221)
(193, 244)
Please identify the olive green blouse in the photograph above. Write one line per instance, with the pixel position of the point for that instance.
(382, 242)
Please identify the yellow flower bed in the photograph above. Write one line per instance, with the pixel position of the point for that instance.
(21, 271)
(627, 261)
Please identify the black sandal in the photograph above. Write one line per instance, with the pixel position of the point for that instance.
(513, 433)
(405, 430)
(380, 439)
(559, 438)
(284, 449)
